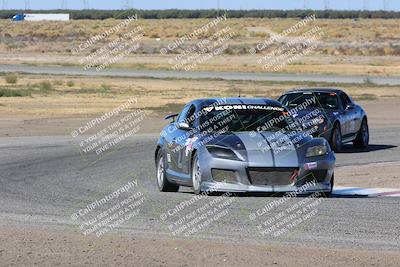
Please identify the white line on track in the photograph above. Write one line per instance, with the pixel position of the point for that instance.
(367, 192)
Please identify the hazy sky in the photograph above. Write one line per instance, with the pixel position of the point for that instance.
(199, 4)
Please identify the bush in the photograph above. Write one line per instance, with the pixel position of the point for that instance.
(58, 82)
(70, 83)
(45, 86)
(11, 78)
(13, 93)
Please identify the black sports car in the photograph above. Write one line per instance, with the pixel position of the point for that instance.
(331, 113)
(241, 145)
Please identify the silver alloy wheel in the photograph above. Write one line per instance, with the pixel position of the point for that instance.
(196, 175)
(160, 172)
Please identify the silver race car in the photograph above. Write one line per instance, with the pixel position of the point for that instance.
(241, 145)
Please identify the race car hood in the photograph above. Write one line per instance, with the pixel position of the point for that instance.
(265, 149)
(309, 117)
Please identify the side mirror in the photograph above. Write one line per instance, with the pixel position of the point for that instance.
(349, 106)
(183, 126)
(171, 116)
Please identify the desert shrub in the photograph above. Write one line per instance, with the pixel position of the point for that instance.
(13, 93)
(70, 83)
(45, 86)
(58, 82)
(11, 78)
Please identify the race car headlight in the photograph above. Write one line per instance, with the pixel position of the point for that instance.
(315, 151)
(313, 122)
(222, 152)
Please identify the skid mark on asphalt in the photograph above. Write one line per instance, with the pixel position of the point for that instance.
(365, 192)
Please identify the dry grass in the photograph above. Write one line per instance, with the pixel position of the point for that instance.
(88, 96)
(342, 37)
(362, 47)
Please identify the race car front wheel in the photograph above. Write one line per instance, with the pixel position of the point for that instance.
(328, 194)
(362, 138)
(336, 138)
(163, 184)
(196, 175)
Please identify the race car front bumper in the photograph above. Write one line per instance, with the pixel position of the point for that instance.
(225, 175)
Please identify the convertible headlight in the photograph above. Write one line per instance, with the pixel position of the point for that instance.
(222, 152)
(315, 151)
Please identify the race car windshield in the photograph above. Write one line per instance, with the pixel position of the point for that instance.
(314, 100)
(239, 118)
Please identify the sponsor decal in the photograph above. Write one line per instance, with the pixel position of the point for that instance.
(243, 107)
(310, 165)
(189, 145)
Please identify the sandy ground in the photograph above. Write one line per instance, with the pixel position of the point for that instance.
(39, 247)
(323, 64)
(380, 175)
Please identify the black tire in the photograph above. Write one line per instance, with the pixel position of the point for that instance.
(329, 194)
(362, 138)
(196, 175)
(336, 138)
(163, 184)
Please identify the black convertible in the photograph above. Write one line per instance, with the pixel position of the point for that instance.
(331, 113)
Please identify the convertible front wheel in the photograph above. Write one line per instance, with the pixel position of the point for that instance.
(362, 138)
(336, 138)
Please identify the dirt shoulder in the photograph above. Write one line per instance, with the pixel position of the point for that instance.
(381, 113)
(28, 247)
(380, 175)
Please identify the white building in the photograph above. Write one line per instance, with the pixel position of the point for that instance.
(38, 17)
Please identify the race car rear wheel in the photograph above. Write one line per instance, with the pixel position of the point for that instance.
(362, 138)
(196, 175)
(163, 184)
(336, 138)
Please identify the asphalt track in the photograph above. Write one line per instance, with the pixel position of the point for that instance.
(44, 180)
(163, 74)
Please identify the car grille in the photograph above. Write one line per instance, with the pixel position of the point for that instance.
(315, 175)
(225, 176)
(271, 176)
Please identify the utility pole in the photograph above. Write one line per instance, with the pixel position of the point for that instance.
(64, 4)
(326, 4)
(27, 4)
(305, 4)
(126, 4)
(85, 4)
(385, 5)
(365, 3)
(4, 4)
